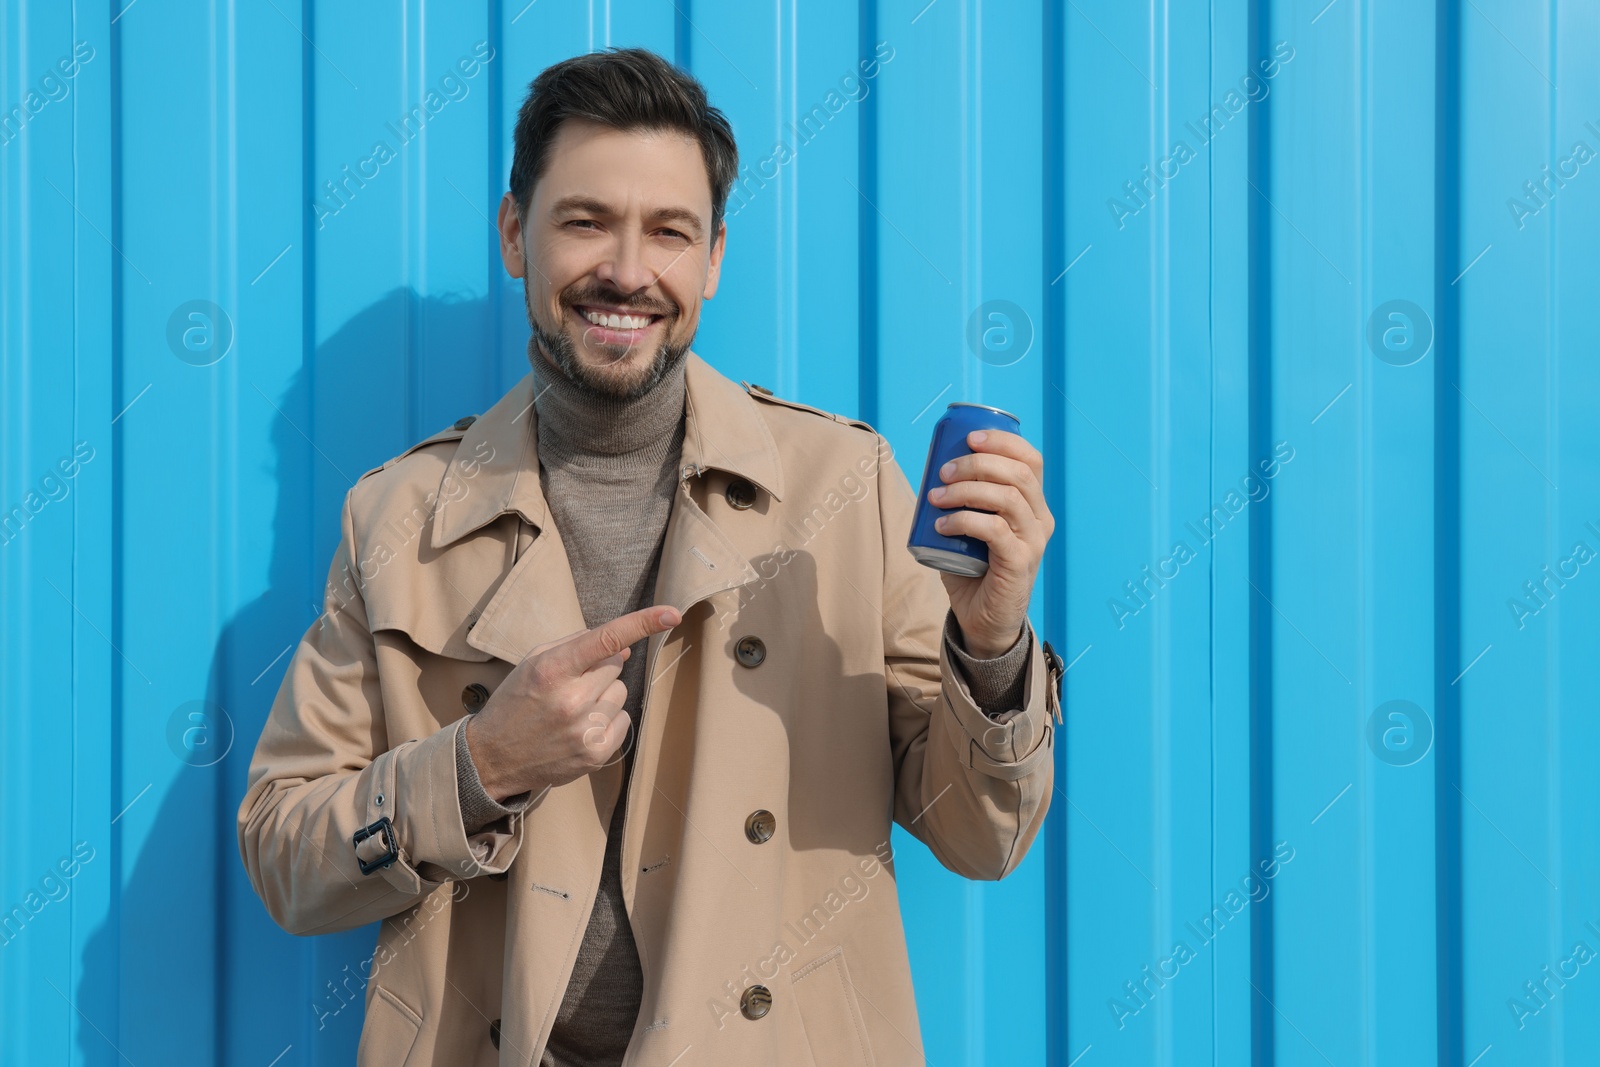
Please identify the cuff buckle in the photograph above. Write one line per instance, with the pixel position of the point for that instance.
(383, 829)
(1056, 671)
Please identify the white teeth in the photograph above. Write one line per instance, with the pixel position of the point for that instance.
(617, 322)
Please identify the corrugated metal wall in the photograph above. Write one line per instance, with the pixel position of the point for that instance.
(1298, 298)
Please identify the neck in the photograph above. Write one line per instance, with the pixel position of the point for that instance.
(582, 428)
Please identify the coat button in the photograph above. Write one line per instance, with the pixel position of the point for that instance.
(465, 421)
(494, 1033)
(756, 1002)
(760, 826)
(750, 651)
(741, 494)
(475, 696)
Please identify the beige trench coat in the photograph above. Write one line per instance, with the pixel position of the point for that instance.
(788, 950)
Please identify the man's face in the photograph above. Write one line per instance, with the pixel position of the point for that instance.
(615, 254)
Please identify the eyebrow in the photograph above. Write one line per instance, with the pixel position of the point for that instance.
(578, 203)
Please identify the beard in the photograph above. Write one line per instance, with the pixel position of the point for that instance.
(561, 351)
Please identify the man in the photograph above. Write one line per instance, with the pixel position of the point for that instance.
(620, 684)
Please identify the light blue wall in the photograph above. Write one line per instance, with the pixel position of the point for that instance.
(1233, 701)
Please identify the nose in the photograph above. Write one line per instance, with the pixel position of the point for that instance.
(625, 269)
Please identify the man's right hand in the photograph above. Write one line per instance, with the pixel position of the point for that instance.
(558, 714)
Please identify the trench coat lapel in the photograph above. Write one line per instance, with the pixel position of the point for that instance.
(538, 602)
(722, 430)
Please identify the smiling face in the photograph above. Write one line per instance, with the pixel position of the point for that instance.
(616, 254)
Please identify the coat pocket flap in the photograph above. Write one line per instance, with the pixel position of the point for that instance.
(389, 1032)
(830, 1012)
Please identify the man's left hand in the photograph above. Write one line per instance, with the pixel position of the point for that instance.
(1004, 477)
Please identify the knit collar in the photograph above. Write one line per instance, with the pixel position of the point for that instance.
(495, 467)
(576, 428)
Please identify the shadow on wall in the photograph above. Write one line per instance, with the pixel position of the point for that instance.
(191, 969)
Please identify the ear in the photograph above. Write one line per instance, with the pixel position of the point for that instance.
(719, 244)
(511, 244)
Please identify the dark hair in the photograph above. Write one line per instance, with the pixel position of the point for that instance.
(626, 89)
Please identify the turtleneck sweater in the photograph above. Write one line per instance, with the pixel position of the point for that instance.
(608, 469)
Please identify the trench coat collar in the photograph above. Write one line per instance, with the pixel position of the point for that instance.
(723, 430)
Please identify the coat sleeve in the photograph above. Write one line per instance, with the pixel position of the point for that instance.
(972, 787)
(325, 768)
(996, 684)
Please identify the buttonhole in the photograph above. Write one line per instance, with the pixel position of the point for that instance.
(694, 550)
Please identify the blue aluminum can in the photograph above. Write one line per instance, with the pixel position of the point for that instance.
(963, 555)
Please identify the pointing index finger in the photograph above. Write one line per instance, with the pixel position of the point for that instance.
(594, 647)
